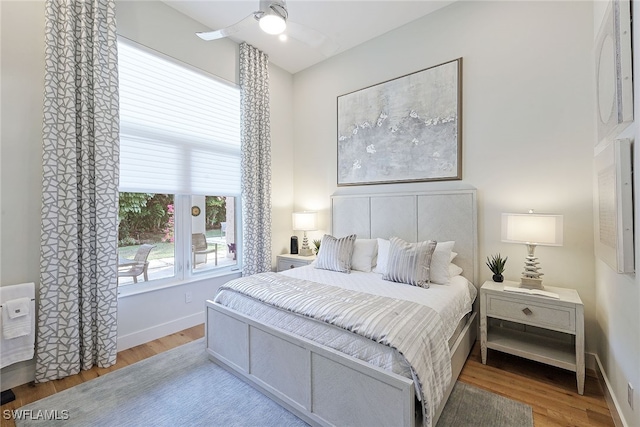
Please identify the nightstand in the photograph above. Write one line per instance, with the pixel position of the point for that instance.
(288, 261)
(544, 329)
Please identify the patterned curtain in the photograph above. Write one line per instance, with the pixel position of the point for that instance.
(77, 325)
(256, 160)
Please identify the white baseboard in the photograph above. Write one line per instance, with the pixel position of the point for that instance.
(612, 402)
(159, 331)
(590, 362)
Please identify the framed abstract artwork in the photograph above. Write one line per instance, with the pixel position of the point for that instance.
(613, 210)
(403, 130)
(614, 85)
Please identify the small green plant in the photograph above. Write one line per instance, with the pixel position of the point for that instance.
(496, 264)
(316, 243)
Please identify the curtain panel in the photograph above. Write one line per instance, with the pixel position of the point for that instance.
(256, 160)
(77, 325)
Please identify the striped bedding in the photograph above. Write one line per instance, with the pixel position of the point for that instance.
(415, 330)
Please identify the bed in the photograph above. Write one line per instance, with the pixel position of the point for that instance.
(329, 376)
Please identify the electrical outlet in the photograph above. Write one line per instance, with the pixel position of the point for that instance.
(188, 297)
(630, 394)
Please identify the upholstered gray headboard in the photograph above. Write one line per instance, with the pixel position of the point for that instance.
(437, 215)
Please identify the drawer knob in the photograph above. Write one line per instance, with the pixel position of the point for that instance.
(527, 311)
(292, 266)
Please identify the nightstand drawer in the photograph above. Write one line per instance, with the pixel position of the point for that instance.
(545, 316)
(287, 264)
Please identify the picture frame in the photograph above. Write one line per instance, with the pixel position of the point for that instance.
(613, 208)
(406, 129)
(614, 81)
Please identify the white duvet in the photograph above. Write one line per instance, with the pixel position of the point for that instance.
(452, 301)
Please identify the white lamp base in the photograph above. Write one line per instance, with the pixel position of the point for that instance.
(306, 252)
(531, 283)
(531, 275)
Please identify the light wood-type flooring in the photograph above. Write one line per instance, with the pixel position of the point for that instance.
(551, 392)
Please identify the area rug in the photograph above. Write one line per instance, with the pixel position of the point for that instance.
(470, 406)
(181, 387)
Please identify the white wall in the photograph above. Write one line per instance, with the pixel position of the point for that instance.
(618, 295)
(21, 87)
(528, 105)
(145, 316)
(22, 84)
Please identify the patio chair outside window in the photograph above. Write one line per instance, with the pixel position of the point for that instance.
(200, 246)
(139, 265)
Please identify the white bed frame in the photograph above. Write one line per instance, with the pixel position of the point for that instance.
(323, 386)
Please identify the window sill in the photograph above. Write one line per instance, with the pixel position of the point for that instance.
(145, 287)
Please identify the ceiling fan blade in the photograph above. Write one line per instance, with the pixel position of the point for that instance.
(229, 31)
(312, 38)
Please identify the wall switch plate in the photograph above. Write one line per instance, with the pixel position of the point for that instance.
(630, 394)
(188, 297)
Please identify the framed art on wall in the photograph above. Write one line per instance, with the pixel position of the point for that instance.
(614, 84)
(613, 208)
(403, 130)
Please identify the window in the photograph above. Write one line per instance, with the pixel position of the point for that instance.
(179, 169)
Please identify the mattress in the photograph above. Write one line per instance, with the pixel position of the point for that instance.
(452, 302)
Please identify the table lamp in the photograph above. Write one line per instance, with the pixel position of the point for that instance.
(532, 229)
(305, 221)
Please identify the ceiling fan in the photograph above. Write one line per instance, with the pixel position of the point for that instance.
(273, 19)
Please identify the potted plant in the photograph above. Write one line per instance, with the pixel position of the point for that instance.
(496, 264)
(316, 243)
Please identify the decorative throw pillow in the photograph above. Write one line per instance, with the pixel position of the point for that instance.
(364, 251)
(439, 268)
(454, 270)
(335, 254)
(409, 262)
(383, 256)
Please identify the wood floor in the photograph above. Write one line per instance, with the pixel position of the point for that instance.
(549, 391)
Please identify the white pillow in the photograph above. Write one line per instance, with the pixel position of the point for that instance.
(383, 256)
(439, 269)
(335, 254)
(409, 262)
(364, 252)
(454, 270)
(453, 255)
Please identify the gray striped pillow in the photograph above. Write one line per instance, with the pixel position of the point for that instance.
(335, 254)
(409, 262)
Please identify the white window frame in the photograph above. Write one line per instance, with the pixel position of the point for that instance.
(183, 272)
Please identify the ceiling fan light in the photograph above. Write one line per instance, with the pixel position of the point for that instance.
(272, 24)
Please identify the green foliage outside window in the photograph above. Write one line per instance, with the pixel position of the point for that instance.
(149, 218)
(216, 211)
(142, 214)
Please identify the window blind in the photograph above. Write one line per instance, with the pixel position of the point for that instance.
(179, 128)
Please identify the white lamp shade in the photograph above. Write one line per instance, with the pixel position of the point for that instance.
(305, 221)
(272, 24)
(537, 229)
